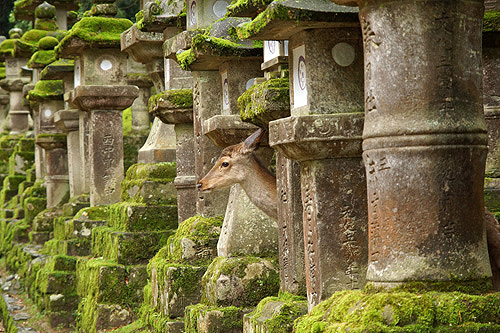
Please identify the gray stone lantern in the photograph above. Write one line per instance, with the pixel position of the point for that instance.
(101, 90)
(323, 133)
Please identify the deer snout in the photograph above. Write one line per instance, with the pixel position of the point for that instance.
(202, 187)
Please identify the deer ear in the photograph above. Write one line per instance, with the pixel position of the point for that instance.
(253, 141)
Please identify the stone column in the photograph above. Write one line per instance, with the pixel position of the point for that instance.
(68, 122)
(4, 108)
(56, 167)
(13, 83)
(146, 48)
(104, 104)
(136, 76)
(424, 142)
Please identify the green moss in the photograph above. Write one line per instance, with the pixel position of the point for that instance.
(260, 102)
(53, 137)
(46, 24)
(398, 311)
(277, 314)
(46, 89)
(2, 72)
(126, 216)
(7, 48)
(217, 319)
(96, 213)
(127, 121)
(491, 21)
(154, 171)
(47, 43)
(242, 6)
(186, 58)
(179, 98)
(41, 58)
(139, 19)
(96, 30)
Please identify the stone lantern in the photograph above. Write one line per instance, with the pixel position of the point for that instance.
(323, 133)
(101, 90)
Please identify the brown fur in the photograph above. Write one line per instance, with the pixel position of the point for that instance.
(493, 237)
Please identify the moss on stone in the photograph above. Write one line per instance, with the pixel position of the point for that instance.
(127, 121)
(240, 6)
(186, 58)
(46, 24)
(153, 171)
(251, 280)
(179, 98)
(491, 21)
(100, 30)
(139, 19)
(47, 43)
(258, 104)
(7, 48)
(358, 311)
(41, 58)
(96, 213)
(216, 319)
(277, 314)
(125, 216)
(46, 89)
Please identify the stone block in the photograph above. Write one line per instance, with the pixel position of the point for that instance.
(56, 282)
(62, 263)
(201, 318)
(78, 228)
(174, 287)
(111, 316)
(71, 208)
(126, 216)
(32, 207)
(44, 221)
(61, 302)
(152, 192)
(127, 248)
(62, 319)
(20, 162)
(104, 279)
(239, 281)
(275, 314)
(39, 237)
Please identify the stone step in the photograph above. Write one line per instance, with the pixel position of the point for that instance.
(77, 247)
(56, 282)
(202, 318)
(127, 216)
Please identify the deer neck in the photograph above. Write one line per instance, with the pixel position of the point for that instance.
(261, 189)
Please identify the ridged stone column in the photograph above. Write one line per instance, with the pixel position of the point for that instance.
(424, 141)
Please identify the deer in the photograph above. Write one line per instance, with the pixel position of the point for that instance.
(238, 164)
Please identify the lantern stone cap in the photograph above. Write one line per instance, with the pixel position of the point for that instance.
(67, 120)
(265, 102)
(58, 70)
(103, 97)
(158, 15)
(210, 49)
(14, 84)
(92, 32)
(7, 48)
(41, 58)
(247, 8)
(142, 46)
(315, 137)
(25, 9)
(284, 18)
(176, 44)
(51, 140)
(46, 89)
(28, 43)
(226, 130)
(172, 106)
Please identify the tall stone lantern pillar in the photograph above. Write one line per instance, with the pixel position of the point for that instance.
(101, 90)
(323, 133)
(424, 141)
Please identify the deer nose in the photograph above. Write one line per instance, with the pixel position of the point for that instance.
(198, 186)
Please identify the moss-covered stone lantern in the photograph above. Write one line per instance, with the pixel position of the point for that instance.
(101, 90)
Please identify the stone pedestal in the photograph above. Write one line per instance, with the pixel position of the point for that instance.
(56, 167)
(4, 108)
(146, 48)
(136, 75)
(324, 135)
(105, 104)
(68, 122)
(424, 141)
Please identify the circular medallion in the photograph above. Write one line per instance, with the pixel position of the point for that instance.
(220, 8)
(192, 16)
(343, 54)
(301, 72)
(225, 93)
(106, 65)
(271, 46)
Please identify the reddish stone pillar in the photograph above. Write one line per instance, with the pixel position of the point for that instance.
(424, 141)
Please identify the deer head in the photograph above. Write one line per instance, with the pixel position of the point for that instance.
(235, 164)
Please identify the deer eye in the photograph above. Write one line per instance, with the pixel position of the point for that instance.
(225, 164)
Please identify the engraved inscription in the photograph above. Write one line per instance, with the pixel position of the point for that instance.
(108, 163)
(349, 246)
(444, 68)
(446, 203)
(311, 255)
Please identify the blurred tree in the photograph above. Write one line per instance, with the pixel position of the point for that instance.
(126, 8)
(5, 25)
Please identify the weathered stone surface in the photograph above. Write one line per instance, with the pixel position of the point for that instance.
(226, 130)
(203, 318)
(239, 281)
(431, 148)
(92, 97)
